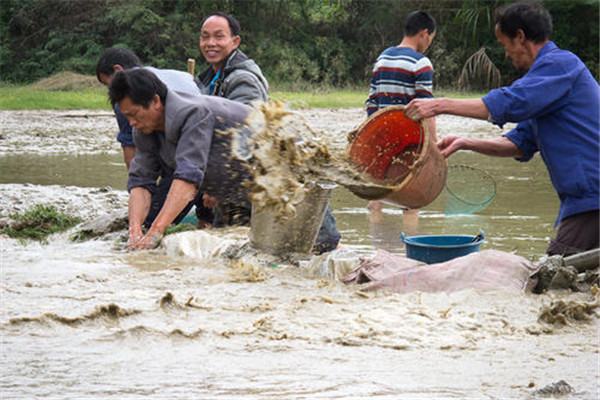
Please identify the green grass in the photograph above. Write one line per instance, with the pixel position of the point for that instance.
(344, 98)
(26, 98)
(39, 222)
(341, 98)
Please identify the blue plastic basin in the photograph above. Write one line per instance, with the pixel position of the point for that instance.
(433, 249)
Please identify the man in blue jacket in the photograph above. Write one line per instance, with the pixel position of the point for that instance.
(556, 105)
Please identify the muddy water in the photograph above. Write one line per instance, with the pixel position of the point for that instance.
(89, 320)
(512, 222)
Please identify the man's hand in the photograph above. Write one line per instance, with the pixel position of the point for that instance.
(150, 240)
(419, 109)
(135, 234)
(451, 144)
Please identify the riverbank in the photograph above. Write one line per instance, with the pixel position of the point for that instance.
(80, 131)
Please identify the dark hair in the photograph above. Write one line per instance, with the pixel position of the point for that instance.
(416, 21)
(139, 84)
(110, 57)
(234, 24)
(532, 18)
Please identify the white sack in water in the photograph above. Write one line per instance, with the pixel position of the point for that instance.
(333, 265)
(196, 244)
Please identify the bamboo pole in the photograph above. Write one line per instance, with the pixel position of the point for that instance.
(191, 66)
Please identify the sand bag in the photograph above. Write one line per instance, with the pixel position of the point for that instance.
(486, 270)
(382, 266)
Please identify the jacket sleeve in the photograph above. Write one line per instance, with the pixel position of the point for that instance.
(542, 91)
(193, 146)
(145, 167)
(245, 87)
(125, 135)
(523, 136)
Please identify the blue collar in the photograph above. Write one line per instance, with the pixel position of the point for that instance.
(213, 82)
(548, 47)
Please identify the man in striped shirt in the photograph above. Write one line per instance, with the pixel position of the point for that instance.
(402, 73)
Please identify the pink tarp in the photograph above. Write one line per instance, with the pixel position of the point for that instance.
(488, 269)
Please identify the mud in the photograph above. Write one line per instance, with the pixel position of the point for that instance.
(567, 312)
(57, 132)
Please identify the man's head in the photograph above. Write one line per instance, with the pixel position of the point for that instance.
(114, 60)
(219, 36)
(420, 26)
(521, 28)
(141, 97)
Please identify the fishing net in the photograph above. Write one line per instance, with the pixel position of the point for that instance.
(468, 190)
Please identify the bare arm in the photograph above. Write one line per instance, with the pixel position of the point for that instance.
(180, 194)
(418, 109)
(139, 206)
(498, 147)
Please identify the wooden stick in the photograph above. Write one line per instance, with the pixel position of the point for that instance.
(191, 66)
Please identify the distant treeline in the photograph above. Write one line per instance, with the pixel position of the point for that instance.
(297, 43)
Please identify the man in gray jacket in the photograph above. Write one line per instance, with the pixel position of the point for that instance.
(176, 139)
(117, 59)
(231, 74)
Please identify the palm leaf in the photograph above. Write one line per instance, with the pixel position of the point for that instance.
(479, 72)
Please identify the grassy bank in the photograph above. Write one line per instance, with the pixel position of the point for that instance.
(27, 98)
(33, 98)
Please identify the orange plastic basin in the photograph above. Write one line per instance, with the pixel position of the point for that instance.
(387, 137)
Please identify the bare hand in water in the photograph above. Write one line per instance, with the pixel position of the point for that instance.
(150, 240)
(135, 234)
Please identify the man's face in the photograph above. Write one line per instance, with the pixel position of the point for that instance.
(515, 49)
(107, 79)
(216, 41)
(425, 40)
(144, 119)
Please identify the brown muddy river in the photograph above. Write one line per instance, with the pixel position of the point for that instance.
(92, 321)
